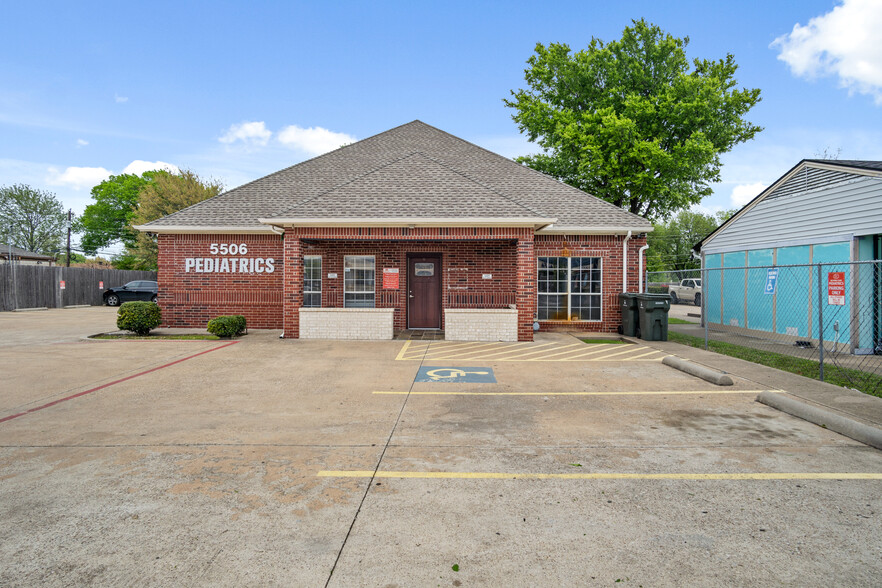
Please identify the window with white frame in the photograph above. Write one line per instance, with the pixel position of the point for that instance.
(312, 281)
(569, 288)
(359, 281)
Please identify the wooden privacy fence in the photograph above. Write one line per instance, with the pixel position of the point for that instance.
(36, 286)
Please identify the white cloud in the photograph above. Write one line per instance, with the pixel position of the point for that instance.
(843, 42)
(139, 166)
(77, 178)
(314, 140)
(744, 193)
(120, 99)
(250, 133)
(82, 142)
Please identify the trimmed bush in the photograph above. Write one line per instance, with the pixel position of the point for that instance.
(227, 325)
(138, 317)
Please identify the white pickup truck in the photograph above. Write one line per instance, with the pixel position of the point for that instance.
(688, 290)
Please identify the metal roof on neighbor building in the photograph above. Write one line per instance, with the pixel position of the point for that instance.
(413, 171)
(775, 206)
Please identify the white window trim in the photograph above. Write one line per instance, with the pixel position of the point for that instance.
(569, 293)
(321, 281)
(373, 292)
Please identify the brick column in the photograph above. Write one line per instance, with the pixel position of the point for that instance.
(292, 297)
(526, 288)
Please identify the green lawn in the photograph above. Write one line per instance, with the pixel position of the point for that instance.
(846, 377)
(605, 341)
(193, 337)
(677, 321)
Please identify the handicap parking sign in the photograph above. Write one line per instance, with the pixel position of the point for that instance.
(457, 375)
(771, 280)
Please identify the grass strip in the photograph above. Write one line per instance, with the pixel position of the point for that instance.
(866, 382)
(672, 320)
(193, 337)
(604, 341)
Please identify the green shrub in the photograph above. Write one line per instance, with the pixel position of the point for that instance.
(657, 290)
(227, 326)
(138, 317)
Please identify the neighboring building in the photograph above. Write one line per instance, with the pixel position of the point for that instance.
(819, 212)
(412, 228)
(24, 257)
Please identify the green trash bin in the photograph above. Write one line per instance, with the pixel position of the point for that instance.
(653, 312)
(630, 318)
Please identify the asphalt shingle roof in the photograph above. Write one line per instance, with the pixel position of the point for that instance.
(19, 252)
(414, 170)
(857, 163)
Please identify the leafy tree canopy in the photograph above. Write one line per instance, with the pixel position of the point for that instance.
(631, 121)
(167, 193)
(32, 219)
(107, 220)
(670, 243)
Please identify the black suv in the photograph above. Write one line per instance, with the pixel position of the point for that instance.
(137, 290)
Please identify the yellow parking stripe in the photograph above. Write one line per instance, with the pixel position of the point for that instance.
(604, 476)
(524, 351)
(653, 352)
(629, 393)
(447, 355)
(594, 350)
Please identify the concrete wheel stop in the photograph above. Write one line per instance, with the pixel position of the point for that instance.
(823, 418)
(705, 373)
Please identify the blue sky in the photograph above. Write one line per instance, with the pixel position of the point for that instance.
(237, 90)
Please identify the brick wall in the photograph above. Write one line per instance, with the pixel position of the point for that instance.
(189, 298)
(473, 324)
(346, 323)
(272, 300)
(609, 248)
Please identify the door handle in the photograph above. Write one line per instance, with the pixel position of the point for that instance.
(410, 295)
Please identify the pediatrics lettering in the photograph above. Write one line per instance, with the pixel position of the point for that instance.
(229, 265)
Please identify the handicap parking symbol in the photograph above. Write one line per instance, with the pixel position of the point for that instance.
(464, 375)
(771, 280)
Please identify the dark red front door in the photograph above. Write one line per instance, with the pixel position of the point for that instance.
(424, 292)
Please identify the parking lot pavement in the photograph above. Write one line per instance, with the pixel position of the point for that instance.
(314, 462)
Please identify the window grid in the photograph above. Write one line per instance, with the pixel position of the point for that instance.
(569, 288)
(312, 281)
(359, 281)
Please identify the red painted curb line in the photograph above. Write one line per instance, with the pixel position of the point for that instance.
(102, 386)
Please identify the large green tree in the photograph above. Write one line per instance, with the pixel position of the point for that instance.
(633, 121)
(32, 219)
(670, 243)
(165, 194)
(107, 220)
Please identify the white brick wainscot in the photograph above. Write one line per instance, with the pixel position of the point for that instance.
(480, 324)
(346, 323)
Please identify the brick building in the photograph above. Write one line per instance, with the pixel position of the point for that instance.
(412, 228)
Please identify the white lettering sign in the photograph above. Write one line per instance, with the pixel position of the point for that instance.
(229, 265)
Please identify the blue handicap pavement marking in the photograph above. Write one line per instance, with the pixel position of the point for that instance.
(464, 375)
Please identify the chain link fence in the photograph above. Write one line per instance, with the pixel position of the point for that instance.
(830, 314)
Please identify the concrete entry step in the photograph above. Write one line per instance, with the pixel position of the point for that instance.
(420, 335)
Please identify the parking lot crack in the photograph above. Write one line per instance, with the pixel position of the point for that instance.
(376, 469)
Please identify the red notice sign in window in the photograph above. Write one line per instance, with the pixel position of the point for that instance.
(390, 278)
(836, 288)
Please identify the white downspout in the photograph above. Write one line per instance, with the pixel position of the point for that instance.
(625, 262)
(642, 249)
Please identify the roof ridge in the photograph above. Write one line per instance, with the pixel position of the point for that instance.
(474, 181)
(299, 163)
(530, 169)
(347, 182)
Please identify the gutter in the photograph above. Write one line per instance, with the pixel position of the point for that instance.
(640, 254)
